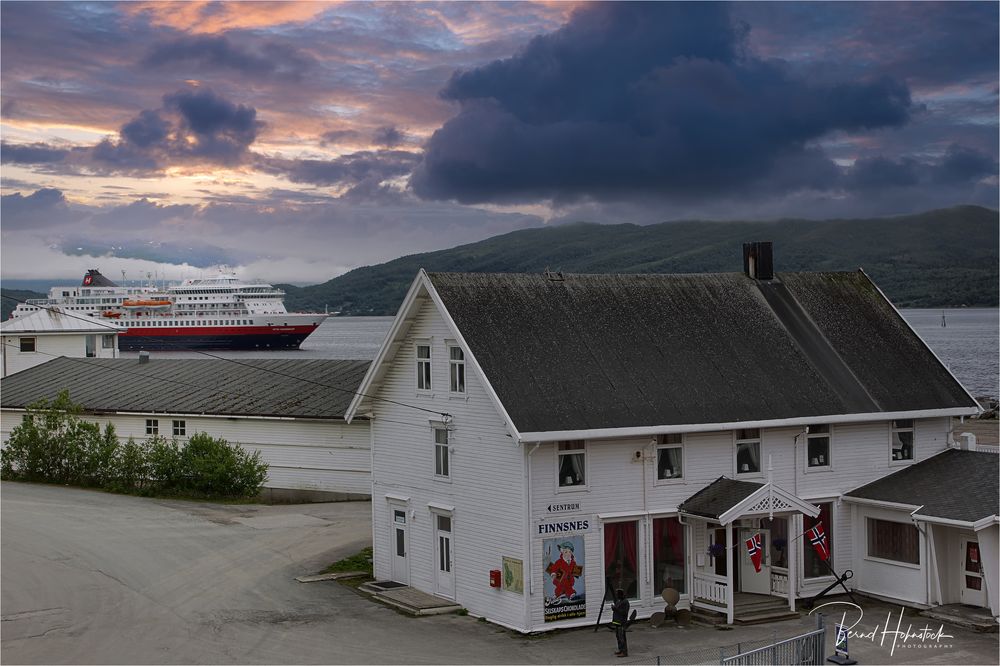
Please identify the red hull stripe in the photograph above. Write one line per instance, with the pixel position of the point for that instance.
(188, 331)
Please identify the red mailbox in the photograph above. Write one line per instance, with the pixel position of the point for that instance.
(494, 578)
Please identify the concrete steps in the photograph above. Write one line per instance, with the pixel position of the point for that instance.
(747, 610)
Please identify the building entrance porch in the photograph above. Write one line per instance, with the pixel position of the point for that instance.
(726, 514)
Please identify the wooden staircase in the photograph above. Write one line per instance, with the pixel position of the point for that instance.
(748, 609)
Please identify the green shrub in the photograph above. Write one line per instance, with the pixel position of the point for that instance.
(53, 444)
(216, 467)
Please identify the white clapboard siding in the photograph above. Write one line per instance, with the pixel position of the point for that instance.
(487, 476)
(860, 454)
(314, 455)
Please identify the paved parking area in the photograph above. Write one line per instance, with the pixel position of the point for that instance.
(89, 577)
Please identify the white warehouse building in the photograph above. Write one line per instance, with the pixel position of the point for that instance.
(292, 411)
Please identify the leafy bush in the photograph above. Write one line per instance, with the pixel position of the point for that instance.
(53, 444)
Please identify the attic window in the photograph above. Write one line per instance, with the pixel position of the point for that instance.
(456, 362)
(423, 367)
(27, 344)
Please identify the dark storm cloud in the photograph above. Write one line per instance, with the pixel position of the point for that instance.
(192, 127)
(334, 137)
(43, 207)
(958, 167)
(35, 153)
(368, 168)
(218, 52)
(199, 255)
(633, 98)
(388, 137)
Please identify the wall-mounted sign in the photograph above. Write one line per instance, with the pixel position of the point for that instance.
(559, 526)
(565, 594)
(512, 573)
(564, 507)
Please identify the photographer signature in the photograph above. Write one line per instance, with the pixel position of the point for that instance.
(898, 635)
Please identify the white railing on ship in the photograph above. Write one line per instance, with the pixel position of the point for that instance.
(710, 588)
(987, 449)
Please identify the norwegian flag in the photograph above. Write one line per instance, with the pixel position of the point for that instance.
(754, 550)
(818, 539)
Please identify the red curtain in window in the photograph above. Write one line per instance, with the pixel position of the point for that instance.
(629, 545)
(610, 542)
(659, 527)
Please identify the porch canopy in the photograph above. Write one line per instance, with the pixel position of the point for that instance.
(725, 501)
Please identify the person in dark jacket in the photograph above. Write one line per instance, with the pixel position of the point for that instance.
(619, 620)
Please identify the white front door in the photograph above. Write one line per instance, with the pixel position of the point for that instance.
(444, 571)
(750, 579)
(400, 545)
(972, 586)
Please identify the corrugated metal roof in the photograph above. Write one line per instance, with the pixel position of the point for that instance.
(50, 320)
(954, 484)
(718, 497)
(319, 389)
(584, 352)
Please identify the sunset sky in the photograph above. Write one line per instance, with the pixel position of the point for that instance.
(297, 140)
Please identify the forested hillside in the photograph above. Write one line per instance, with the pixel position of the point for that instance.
(940, 258)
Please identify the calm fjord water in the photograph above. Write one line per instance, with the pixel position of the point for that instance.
(968, 345)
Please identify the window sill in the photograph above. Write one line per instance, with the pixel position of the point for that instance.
(670, 482)
(901, 463)
(895, 563)
(442, 479)
(571, 489)
(818, 468)
(458, 396)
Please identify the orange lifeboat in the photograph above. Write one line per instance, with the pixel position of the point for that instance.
(148, 303)
(111, 314)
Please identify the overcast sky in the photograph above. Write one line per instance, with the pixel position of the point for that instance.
(298, 140)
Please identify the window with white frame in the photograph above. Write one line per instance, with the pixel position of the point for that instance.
(26, 344)
(179, 428)
(423, 367)
(669, 457)
(572, 464)
(456, 365)
(152, 426)
(889, 540)
(902, 439)
(107, 341)
(818, 447)
(442, 461)
(748, 451)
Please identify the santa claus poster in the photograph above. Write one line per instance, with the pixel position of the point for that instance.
(564, 561)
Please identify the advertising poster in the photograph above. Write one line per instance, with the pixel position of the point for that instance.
(513, 575)
(564, 561)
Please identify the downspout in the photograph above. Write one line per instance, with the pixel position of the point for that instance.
(929, 555)
(527, 527)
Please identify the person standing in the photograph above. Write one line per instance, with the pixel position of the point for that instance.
(619, 620)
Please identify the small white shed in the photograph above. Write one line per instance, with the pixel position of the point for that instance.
(41, 336)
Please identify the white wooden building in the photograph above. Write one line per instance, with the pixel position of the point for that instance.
(292, 411)
(41, 336)
(624, 424)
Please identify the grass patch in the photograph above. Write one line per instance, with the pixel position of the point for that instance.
(361, 561)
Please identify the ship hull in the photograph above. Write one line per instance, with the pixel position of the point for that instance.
(183, 339)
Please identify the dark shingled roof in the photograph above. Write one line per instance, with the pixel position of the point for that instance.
(320, 389)
(954, 484)
(718, 497)
(610, 351)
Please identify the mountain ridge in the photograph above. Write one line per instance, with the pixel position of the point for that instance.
(945, 257)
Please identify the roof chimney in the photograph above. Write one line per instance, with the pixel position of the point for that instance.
(143, 357)
(758, 261)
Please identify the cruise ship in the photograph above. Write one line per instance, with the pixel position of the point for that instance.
(218, 312)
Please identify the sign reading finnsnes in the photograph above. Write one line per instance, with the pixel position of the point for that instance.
(581, 525)
(567, 506)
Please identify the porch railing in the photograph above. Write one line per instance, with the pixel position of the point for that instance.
(779, 583)
(709, 588)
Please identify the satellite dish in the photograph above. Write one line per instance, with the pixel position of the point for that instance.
(657, 619)
(683, 617)
(671, 596)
